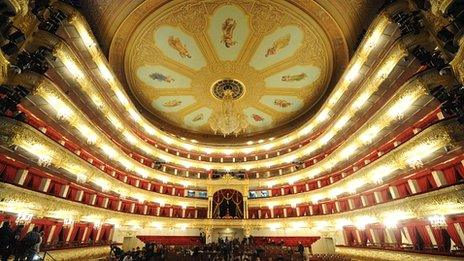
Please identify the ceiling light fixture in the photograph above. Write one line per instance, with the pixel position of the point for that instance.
(228, 120)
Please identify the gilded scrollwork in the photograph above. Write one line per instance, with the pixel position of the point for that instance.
(435, 138)
(85, 253)
(446, 201)
(192, 17)
(389, 255)
(18, 134)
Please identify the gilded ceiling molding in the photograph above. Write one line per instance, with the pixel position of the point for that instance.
(365, 254)
(458, 62)
(446, 201)
(439, 6)
(93, 49)
(4, 67)
(78, 254)
(21, 6)
(15, 134)
(120, 41)
(66, 55)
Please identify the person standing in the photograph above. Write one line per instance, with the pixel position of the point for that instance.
(37, 245)
(16, 244)
(6, 241)
(300, 248)
(28, 243)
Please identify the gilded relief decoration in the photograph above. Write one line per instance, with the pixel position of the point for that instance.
(258, 43)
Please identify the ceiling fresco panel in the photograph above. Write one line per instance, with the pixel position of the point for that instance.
(279, 45)
(228, 32)
(198, 118)
(281, 54)
(295, 77)
(282, 103)
(257, 118)
(160, 77)
(173, 103)
(179, 46)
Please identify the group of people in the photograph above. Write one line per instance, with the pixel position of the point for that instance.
(151, 251)
(23, 248)
(223, 250)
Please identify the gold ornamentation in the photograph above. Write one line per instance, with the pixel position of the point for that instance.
(14, 133)
(446, 201)
(265, 17)
(357, 253)
(78, 254)
(192, 17)
(435, 138)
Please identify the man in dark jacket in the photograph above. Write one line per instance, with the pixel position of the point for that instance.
(300, 248)
(28, 243)
(6, 241)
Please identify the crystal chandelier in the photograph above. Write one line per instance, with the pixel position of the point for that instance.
(228, 120)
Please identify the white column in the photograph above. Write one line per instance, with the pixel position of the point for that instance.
(351, 204)
(364, 201)
(394, 192)
(93, 199)
(44, 184)
(79, 195)
(21, 176)
(378, 197)
(439, 178)
(430, 233)
(414, 186)
(50, 235)
(64, 190)
(105, 202)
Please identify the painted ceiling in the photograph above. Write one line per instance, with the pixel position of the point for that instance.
(279, 53)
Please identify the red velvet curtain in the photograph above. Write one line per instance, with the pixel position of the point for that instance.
(348, 236)
(424, 235)
(228, 194)
(438, 235)
(460, 169)
(398, 237)
(451, 229)
(379, 231)
(412, 234)
(369, 236)
(450, 175)
(363, 236)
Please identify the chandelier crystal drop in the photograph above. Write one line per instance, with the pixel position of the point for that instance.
(228, 121)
